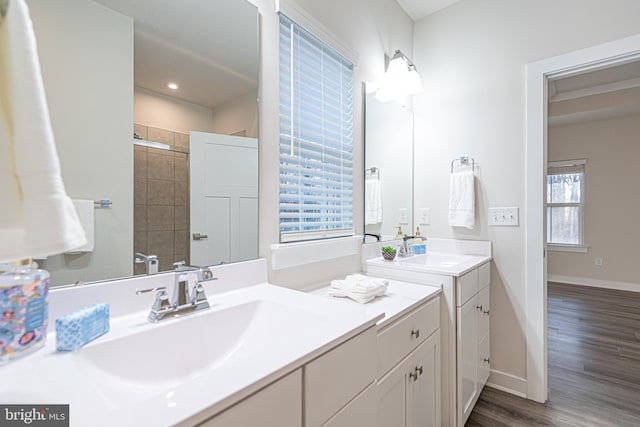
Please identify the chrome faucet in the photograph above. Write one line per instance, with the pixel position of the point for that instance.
(406, 249)
(183, 301)
(150, 262)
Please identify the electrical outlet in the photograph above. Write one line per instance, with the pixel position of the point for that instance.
(599, 261)
(424, 216)
(403, 216)
(507, 217)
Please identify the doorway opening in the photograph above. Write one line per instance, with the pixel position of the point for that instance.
(539, 74)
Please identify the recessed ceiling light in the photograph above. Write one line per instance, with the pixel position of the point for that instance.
(173, 86)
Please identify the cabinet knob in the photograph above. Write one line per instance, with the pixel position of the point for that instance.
(419, 370)
(479, 307)
(487, 360)
(413, 376)
(486, 312)
(415, 333)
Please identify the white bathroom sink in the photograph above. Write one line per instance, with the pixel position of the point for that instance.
(176, 350)
(437, 260)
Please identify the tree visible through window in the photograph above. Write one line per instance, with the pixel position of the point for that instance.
(565, 203)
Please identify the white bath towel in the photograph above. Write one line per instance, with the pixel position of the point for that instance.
(359, 288)
(37, 217)
(462, 199)
(372, 201)
(86, 214)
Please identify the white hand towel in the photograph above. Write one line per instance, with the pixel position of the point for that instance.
(37, 217)
(358, 287)
(372, 201)
(462, 199)
(86, 213)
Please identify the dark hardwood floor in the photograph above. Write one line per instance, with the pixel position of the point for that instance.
(593, 365)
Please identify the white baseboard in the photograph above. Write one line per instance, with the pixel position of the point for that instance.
(508, 383)
(596, 283)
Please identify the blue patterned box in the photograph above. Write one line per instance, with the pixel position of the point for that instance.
(80, 327)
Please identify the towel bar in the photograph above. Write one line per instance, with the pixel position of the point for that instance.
(464, 161)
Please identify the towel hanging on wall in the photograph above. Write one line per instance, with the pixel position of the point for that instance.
(37, 217)
(462, 199)
(372, 201)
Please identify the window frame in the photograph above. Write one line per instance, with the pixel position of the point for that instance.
(326, 232)
(566, 166)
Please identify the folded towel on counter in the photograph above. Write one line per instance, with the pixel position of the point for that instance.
(372, 201)
(462, 199)
(37, 217)
(358, 287)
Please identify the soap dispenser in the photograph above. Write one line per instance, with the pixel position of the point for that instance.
(24, 292)
(400, 234)
(419, 243)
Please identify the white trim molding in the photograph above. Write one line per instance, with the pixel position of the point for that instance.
(594, 283)
(537, 77)
(556, 247)
(508, 383)
(287, 255)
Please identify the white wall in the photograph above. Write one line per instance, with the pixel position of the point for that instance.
(612, 207)
(472, 59)
(86, 55)
(372, 28)
(237, 115)
(164, 112)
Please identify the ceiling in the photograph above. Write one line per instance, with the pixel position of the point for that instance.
(209, 48)
(602, 94)
(418, 9)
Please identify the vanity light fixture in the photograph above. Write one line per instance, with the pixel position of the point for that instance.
(173, 86)
(400, 79)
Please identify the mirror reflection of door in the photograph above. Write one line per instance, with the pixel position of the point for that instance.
(224, 198)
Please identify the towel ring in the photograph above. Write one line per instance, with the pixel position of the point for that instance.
(464, 161)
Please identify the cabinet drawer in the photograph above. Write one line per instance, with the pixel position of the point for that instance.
(484, 275)
(336, 377)
(403, 336)
(467, 286)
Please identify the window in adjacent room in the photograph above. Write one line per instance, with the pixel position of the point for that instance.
(316, 137)
(565, 205)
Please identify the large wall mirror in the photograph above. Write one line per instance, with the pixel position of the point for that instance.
(178, 164)
(388, 168)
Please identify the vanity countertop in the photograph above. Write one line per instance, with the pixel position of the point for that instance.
(448, 264)
(97, 397)
(400, 298)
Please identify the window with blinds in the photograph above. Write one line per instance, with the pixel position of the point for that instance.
(316, 138)
(565, 203)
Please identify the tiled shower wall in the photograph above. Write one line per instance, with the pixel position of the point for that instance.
(161, 198)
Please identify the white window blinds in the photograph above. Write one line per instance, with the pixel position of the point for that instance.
(316, 138)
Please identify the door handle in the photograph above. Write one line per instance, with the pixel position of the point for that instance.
(198, 236)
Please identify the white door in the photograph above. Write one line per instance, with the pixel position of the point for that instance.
(224, 198)
(423, 400)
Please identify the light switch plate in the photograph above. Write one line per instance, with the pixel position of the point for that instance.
(506, 217)
(403, 216)
(424, 216)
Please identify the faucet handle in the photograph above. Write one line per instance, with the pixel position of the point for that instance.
(161, 302)
(179, 266)
(198, 295)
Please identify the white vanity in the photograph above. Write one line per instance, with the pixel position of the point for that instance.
(260, 352)
(463, 268)
(407, 388)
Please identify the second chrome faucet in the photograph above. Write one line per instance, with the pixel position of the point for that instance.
(184, 299)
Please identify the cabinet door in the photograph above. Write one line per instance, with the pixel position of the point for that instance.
(483, 313)
(467, 358)
(392, 397)
(361, 411)
(278, 405)
(484, 361)
(423, 397)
